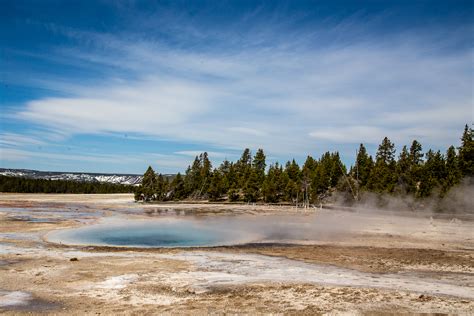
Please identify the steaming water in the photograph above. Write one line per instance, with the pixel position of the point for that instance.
(155, 233)
(195, 231)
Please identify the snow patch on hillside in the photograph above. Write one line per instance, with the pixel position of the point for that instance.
(128, 179)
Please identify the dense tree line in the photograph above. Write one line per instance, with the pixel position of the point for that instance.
(413, 172)
(25, 185)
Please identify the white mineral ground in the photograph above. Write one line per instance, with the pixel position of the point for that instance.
(338, 262)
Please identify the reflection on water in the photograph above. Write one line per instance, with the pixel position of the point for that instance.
(33, 219)
(186, 231)
(50, 215)
(157, 233)
(169, 212)
(181, 227)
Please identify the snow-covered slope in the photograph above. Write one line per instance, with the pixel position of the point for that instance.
(131, 179)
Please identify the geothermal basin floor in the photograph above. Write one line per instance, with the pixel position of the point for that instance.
(362, 262)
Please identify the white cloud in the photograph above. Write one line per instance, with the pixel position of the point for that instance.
(350, 134)
(212, 154)
(11, 154)
(292, 98)
(161, 163)
(247, 130)
(148, 107)
(15, 139)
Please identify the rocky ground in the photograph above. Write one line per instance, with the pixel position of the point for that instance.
(357, 262)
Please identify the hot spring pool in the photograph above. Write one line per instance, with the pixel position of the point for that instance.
(196, 231)
(157, 233)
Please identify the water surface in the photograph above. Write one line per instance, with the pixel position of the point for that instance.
(154, 233)
(196, 231)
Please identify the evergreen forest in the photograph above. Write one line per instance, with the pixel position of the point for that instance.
(412, 172)
(26, 185)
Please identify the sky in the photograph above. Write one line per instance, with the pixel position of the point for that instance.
(115, 86)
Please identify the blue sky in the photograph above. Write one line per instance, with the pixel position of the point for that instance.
(115, 86)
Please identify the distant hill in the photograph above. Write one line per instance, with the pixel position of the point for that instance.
(127, 179)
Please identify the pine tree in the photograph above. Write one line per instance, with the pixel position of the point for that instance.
(259, 164)
(227, 172)
(337, 169)
(193, 180)
(386, 152)
(252, 188)
(149, 177)
(416, 167)
(466, 153)
(161, 187)
(205, 173)
(403, 171)
(255, 176)
(383, 177)
(270, 185)
(433, 173)
(232, 181)
(177, 188)
(363, 166)
(322, 178)
(281, 180)
(292, 189)
(216, 187)
(293, 170)
(233, 194)
(309, 168)
(308, 172)
(416, 153)
(453, 171)
(243, 168)
(149, 184)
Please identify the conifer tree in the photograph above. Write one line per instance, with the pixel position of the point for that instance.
(403, 171)
(259, 164)
(193, 178)
(270, 185)
(255, 178)
(149, 184)
(416, 166)
(227, 173)
(322, 180)
(292, 189)
(453, 171)
(309, 168)
(251, 189)
(308, 173)
(466, 153)
(243, 168)
(216, 186)
(433, 173)
(363, 166)
(177, 188)
(246, 179)
(337, 169)
(416, 153)
(205, 173)
(161, 188)
(383, 177)
(293, 170)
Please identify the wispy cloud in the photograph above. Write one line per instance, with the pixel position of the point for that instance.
(166, 163)
(289, 90)
(212, 154)
(15, 154)
(15, 140)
